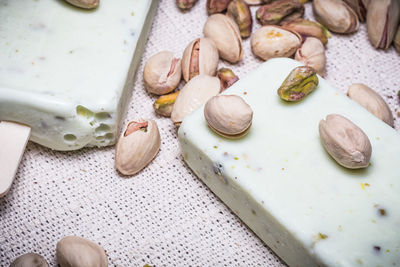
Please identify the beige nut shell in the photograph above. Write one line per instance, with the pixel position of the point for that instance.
(75, 251)
(312, 54)
(372, 101)
(273, 41)
(194, 94)
(345, 142)
(208, 58)
(226, 35)
(136, 150)
(162, 73)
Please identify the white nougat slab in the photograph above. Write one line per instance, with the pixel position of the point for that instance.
(68, 72)
(282, 183)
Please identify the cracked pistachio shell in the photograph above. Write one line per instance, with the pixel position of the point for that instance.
(336, 15)
(382, 20)
(274, 41)
(275, 12)
(396, 40)
(86, 4)
(194, 94)
(162, 73)
(29, 260)
(298, 84)
(137, 146)
(345, 142)
(312, 54)
(200, 57)
(228, 115)
(75, 251)
(185, 4)
(359, 7)
(226, 35)
(372, 101)
(308, 28)
(239, 11)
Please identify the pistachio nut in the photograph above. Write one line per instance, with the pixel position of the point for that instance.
(336, 15)
(345, 142)
(253, 2)
(273, 41)
(226, 78)
(312, 54)
(200, 57)
(216, 6)
(162, 73)
(185, 4)
(75, 251)
(308, 28)
(228, 115)
(239, 11)
(359, 7)
(137, 146)
(86, 4)
(299, 83)
(382, 20)
(194, 94)
(372, 101)
(164, 104)
(396, 41)
(225, 34)
(274, 13)
(29, 260)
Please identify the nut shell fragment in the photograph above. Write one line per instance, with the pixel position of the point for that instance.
(372, 101)
(29, 260)
(194, 94)
(162, 73)
(228, 115)
(312, 54)
(137, 147)
(273, 41)
(345, 142)
(226, 35)
(75, 251)
(200, 57)
(336, 15)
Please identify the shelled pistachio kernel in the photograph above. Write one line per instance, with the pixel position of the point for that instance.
(228, 115)
(299, 83)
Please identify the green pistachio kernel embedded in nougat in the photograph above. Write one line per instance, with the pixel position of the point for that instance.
(300, 82)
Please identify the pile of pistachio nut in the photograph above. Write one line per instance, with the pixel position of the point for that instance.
(284, 33)
(71, 251)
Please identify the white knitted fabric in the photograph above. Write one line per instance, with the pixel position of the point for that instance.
(163, 216)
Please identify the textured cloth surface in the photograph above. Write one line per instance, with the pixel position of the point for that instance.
(163, 216)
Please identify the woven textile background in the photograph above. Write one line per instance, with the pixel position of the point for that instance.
(164, 216)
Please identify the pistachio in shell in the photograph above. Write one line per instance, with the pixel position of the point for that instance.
(227, 77)
(312, 54)
(228, 115)
(185, 4)
(336, 15)
(239, 11)
(308, 28)
(226, 35)
(372, 101)
(275, 12)
(359, 7)
(216, 6)
(194, 94)
(382, 20)
(345, 142)
(273, 41)
(200, 57)
(162, 73)
(30, 260)
(396, 41)
(298, 84)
